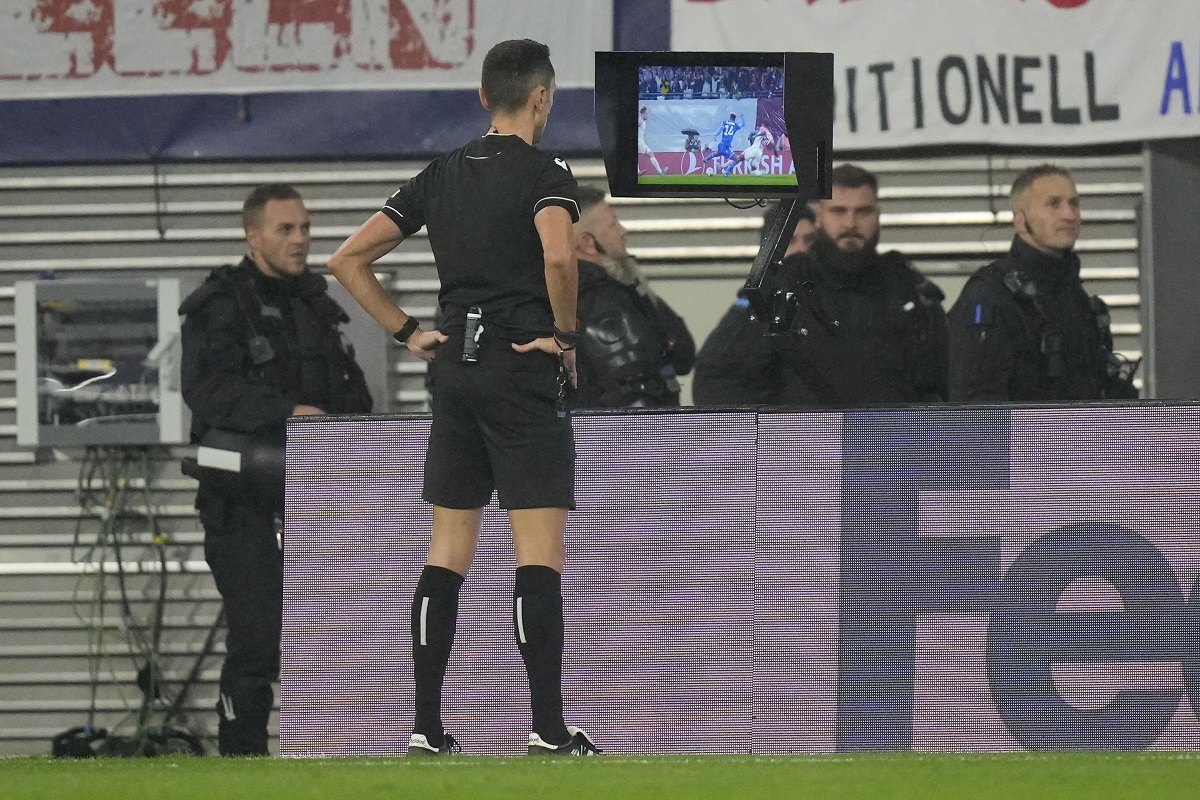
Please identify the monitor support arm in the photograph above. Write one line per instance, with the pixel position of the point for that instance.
(771, 300)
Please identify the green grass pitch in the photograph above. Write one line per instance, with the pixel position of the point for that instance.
(1063, 776)
(717, 180)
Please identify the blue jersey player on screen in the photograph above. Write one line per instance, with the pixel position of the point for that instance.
(726, 133)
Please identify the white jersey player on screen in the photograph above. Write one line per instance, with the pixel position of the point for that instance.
(756, 164)
(643, 148)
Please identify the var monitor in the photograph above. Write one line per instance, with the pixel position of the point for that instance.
(679, 124)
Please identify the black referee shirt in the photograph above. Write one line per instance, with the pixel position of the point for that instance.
(478, 203)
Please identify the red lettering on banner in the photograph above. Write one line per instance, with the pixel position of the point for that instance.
(313, 35)
(169, 37)
(49, 39)
(282, 35)
(432, 33)
(74, 39)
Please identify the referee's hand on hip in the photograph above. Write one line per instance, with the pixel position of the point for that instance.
(424, 344)
(548, 344)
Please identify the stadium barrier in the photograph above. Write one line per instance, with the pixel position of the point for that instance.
(954, 579)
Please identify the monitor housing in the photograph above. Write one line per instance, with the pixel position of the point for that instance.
(688, 96)
(659, 107)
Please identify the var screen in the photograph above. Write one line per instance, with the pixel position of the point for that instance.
(715, 124)
(980, 580)
(710, 126)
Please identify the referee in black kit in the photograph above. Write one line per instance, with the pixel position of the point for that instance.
(499, 214)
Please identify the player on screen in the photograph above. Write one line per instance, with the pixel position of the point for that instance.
(643, 148)
(753, 155)
(725, 133)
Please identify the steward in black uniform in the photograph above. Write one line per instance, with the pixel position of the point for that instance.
(632, 345)
(876, 334)
(1024, 329)
(256, 349)
(738, 365)
(868, 328)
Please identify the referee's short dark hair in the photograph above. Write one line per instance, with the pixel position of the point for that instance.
(513, 69)
(258, 199)
(589, 197)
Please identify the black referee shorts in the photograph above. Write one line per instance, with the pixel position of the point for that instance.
(496, 428)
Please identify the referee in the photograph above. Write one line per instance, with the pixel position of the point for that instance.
(499, 214)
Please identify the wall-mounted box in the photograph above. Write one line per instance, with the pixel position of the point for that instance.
(98, 363)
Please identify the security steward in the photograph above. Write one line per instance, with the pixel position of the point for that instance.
(499, 214)
(632, 345)
(1024, 329)
(869, 328)
(739, 365)
(261, 343)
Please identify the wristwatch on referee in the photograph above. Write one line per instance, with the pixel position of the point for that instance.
(401, 336)
(567, 340)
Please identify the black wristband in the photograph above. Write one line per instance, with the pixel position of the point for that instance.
(409, 328)
(567, 340)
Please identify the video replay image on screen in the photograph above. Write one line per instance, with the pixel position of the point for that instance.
(712, 125)
(715, 124)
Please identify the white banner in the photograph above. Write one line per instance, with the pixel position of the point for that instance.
(80, 48)
(1015, 72)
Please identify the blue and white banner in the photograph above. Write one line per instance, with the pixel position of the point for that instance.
(1008, 72)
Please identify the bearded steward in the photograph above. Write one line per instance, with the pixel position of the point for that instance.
(632, 346)
(869, 328)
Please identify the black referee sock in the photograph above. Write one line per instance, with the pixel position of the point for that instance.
(538, 623)
(434, 615)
